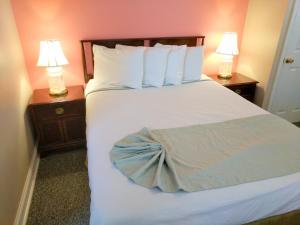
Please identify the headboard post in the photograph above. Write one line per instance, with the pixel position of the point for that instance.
(87, 47)
(86, 76)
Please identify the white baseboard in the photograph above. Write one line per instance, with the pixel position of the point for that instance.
(25, 201)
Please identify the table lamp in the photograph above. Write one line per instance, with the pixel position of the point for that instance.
(228, 48)
(53, 58)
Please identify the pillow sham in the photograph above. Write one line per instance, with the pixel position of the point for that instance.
(118, 67)
(193, 63)
(175, 64)
(155, 64)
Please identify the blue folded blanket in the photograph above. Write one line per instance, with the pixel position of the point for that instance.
(210, 156)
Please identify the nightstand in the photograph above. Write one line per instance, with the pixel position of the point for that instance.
(240, 84)
(58, 122)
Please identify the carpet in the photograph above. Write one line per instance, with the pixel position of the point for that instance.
(61, 195)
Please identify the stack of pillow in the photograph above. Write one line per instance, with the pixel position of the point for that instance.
(137, 67)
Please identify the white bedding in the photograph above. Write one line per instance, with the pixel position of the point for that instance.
(115, 200)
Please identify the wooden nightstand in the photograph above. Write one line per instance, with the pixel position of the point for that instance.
(240, 84)
(59, 122)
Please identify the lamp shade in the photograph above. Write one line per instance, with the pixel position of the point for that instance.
(51, 54)
(228, 45)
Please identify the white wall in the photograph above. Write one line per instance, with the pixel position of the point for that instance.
(261, 34)
(16, 145)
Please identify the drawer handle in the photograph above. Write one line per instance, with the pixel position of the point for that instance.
(238, 91)
(59, 111)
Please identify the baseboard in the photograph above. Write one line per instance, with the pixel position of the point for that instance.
(25, 201)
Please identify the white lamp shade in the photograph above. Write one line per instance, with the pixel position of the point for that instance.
(51, 54)
(228, 45)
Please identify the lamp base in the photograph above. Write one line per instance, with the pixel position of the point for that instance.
(56, 82)
(222, 77)
(226, 67)
(58, 94)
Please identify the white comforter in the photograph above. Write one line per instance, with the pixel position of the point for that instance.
(115, 200)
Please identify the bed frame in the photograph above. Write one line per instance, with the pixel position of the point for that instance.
(87, 53)
(291, 218)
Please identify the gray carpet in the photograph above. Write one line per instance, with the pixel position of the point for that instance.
(61, 195)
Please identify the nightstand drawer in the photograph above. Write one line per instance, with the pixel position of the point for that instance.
(58, 110)
(247, 91)
(240, 84)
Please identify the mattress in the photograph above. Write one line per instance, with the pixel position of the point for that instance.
(115, 200)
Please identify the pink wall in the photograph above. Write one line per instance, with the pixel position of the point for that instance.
(73, 20)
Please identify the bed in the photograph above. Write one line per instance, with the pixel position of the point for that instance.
(113, 114)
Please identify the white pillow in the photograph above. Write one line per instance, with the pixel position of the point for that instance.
(193, 63)
(118, 67)
(175, 65)
(155, 64)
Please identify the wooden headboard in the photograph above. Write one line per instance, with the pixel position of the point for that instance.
(87, 53)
